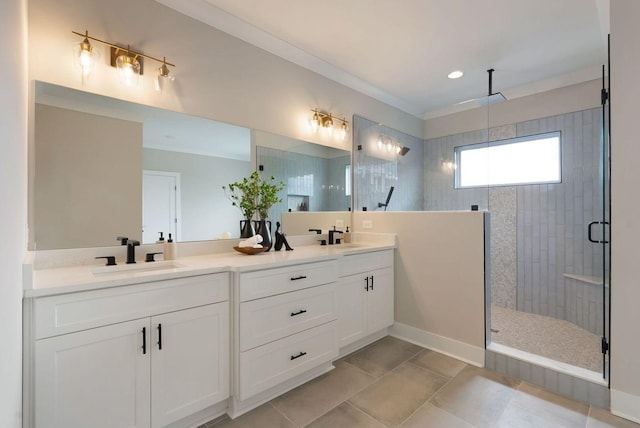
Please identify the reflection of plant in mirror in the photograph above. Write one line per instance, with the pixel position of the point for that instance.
(244, 194)
(268, 195)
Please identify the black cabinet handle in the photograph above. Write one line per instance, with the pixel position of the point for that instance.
(301, 354)
(144, 340)
(295, 278)
(371, 282)
(301, 311)
(367, 286)
(160, 336)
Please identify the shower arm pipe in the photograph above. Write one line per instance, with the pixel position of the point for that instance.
(490, 71)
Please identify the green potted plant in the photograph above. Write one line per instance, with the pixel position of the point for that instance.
(245, 195)
(267, 196)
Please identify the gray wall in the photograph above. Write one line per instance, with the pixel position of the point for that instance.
(545, 225)
(206, 212)
(78, 156)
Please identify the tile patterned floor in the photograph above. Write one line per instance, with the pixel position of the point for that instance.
(392, 383)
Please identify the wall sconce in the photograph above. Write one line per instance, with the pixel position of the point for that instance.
(324, 120)
(129, 63)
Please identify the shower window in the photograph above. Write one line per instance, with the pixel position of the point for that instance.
(534, 159)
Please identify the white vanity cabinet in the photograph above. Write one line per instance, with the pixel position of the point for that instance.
(144, 355)
(286, 326)
(365, 292)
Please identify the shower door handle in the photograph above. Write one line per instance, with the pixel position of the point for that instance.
(590, 236)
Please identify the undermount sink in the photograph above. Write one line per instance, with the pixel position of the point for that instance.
(135, 268)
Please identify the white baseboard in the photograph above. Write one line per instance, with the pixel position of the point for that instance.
(625, 405)
(462, 351)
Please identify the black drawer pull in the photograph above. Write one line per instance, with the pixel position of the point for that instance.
(160, 336)
(144, 340)
(298, 277)
(372, 282)
(367, 286)
(301, 311)
(301, 354)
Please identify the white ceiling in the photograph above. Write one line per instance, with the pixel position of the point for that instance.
(401, 51)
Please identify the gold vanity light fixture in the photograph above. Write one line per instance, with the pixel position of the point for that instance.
(325, 120)
(128, 62)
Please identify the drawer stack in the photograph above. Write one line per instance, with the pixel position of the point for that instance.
(287, 323)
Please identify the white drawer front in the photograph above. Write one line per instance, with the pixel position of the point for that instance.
(358, 263)
(268, 282)
(269, 365)
(80, 311)
(265, 320)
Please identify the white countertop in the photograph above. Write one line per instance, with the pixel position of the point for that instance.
(70, 279)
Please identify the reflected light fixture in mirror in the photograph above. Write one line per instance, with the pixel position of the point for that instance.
(325, 121)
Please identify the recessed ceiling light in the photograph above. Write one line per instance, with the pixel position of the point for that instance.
(455, 74)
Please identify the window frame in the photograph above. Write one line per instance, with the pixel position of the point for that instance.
(458, 149)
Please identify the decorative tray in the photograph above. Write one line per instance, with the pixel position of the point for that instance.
(250, 250)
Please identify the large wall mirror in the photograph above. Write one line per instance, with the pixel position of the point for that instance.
(102, 168)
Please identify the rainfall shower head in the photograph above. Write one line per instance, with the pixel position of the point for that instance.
(491, 98)
(404, 150)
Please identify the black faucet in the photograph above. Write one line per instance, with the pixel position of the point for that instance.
(331, 233)
(131, 250)
(131, 247)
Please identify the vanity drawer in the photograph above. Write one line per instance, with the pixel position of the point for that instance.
(269, 365)
(265, 320)
(358, 263)
(71, 312)
(269, 282)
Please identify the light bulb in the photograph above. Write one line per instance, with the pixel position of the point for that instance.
(128, 69)
(389, 147)
(85, 57)
(380, 143)
(398, 149)
(343, 130)
(315, 122)
(328, 124)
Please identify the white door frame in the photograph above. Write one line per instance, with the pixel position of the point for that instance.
(176, 175)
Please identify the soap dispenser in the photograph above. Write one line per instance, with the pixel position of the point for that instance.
(161, 238)
(170, 250)
(346, 236)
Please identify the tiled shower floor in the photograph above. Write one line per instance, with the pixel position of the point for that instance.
(545, 336)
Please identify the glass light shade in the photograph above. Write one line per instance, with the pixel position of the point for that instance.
(315, 122)
(328, 124)
(164, 78)
(343, 131)
(128, 70)
(85, 57)
(398, 149)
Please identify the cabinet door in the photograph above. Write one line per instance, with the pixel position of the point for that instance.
(351, 298)
(380, 300)
(190, 361)
(95, 378)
